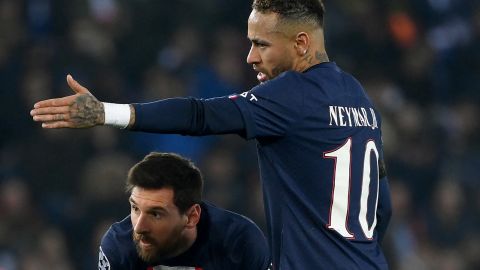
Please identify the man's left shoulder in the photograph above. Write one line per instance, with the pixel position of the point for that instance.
(225, 221)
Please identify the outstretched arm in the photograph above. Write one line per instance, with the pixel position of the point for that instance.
(81, 110)
(176, 115)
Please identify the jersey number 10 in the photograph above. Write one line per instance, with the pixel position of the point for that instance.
(341, 189)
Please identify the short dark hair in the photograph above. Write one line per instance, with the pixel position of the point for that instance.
(168, 170)
(305, 11)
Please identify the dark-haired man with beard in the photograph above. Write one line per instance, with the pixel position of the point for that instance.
(170, 228)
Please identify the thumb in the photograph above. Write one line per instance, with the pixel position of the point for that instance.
(75, 86)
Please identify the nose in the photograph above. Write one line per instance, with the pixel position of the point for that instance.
(253, 56)
(139, 223)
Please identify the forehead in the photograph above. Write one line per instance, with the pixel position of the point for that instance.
(153, 197)
(261, 24)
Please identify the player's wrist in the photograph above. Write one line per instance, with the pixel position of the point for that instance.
(117, 115)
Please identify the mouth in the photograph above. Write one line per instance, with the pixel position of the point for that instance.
(144, 242)
(261, 77)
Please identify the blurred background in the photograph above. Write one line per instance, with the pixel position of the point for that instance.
(419, 60)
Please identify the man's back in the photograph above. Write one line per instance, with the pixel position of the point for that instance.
(319, 144)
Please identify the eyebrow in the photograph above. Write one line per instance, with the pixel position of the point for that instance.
(155, 208)
(259, 41)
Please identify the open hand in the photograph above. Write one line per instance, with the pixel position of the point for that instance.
(81, 110)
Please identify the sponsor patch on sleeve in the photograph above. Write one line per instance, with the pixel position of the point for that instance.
(103, 263)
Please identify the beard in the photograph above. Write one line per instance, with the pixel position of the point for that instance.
(277, 70)
(159, 251)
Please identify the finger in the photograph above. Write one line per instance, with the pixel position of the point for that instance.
(55, 102)
(75, 86)
(58, 124)
(49, 110)
(51, 117)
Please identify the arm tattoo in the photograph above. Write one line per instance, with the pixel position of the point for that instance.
(87, 111)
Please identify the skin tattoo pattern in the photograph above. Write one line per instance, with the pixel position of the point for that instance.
(87, 111)
(322, 57)
(308, 58)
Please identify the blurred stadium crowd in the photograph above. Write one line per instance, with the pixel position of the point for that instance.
(60, 189)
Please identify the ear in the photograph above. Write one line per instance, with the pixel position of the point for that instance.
(193, 216)
(302, 43)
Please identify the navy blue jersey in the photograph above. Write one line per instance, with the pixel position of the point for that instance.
(319, 146)
(319, 143)
(225, 240)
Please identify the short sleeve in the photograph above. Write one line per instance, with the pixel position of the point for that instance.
(272, 108)
(103, 261)
(108, 257)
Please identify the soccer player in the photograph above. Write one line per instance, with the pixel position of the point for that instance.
(169, 227)
(326, 195)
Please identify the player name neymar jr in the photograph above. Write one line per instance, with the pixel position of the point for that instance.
(352, 117)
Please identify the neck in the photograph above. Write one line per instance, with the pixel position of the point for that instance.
(315, 53)
(311, 58)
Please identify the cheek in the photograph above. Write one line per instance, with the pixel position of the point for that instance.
(277, 62)
(133, 219)
(281, 66)
(164, 230)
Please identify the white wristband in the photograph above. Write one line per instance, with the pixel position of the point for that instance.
(116, 115)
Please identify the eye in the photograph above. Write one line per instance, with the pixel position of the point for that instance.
(157, 215)
(259, 44)
(134, 208)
